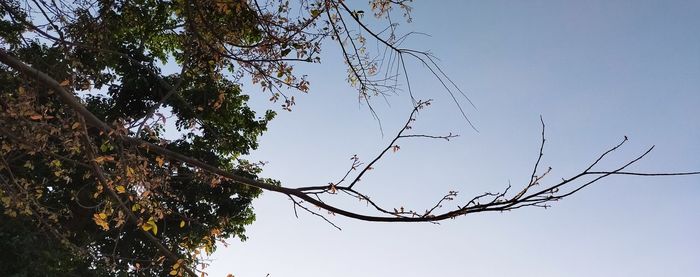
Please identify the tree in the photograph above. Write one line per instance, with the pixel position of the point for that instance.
(85, 102)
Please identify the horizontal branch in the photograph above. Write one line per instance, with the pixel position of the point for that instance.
(499, 203)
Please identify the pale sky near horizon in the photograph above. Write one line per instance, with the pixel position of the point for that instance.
(595, 70)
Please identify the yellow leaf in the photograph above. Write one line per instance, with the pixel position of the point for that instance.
(120, 189)
(135, 207)
(176, 266)
(150, 226)
(182, 224)
(160, 160)
(129, 172)
(100, 221)
(174, 272)
(55, 163)
(146, 227)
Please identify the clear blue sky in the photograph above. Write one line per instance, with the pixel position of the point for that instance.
(595, 70)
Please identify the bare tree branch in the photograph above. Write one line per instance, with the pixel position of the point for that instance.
(496, 203)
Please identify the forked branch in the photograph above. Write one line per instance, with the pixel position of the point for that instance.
(485, 202)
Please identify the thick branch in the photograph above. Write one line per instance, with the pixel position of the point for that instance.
(494, 205)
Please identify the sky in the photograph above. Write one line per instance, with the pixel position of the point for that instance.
(594, 70)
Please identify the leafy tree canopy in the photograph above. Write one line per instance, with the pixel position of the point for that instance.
(92, 186)
(116, 48)
(112, 207)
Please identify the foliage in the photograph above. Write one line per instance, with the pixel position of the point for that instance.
(100, 184)
(31, 252)
(46, 182)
